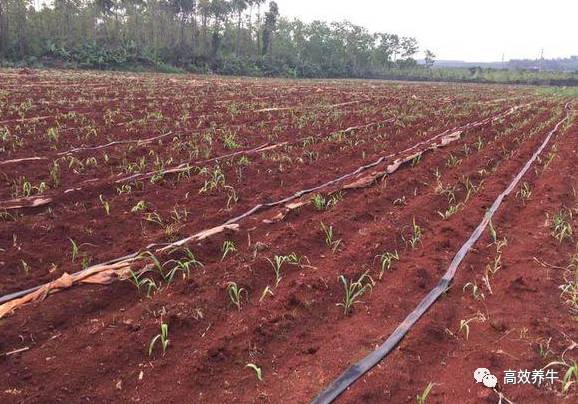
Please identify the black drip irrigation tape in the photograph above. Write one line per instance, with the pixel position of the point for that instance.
(356, 371)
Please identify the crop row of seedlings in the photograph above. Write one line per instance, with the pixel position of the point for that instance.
(237, 294)
(169, 226)
(498, 294)
(171, 223)
(135, 106)
(133, 160)
(414, 232)
(302, 296)
(56, 133)
(44, 100)
(354, 286)
(229, 140)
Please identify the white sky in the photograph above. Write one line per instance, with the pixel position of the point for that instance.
(474, 31)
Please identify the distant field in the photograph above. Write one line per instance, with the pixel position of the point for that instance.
(238, 212)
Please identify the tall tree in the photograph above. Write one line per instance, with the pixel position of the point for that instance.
(219, 10)
(429, 58)
(3, 31)
(269, 28)
(238, 6)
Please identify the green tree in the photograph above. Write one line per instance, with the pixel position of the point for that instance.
(429, 58)
(269, 28)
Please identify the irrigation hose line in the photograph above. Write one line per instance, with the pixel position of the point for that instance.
(346, 379)
(298, 194)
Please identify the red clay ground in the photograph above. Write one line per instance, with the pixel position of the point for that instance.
(91, 342)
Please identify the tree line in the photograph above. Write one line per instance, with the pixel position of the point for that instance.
(220, 36)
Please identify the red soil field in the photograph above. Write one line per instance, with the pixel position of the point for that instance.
(99, 166)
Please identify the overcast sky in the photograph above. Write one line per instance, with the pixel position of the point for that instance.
(476, 31)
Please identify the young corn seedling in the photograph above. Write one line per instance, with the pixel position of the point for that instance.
(452, 210)
(465, 324)
(216, 179)
(163, 337)
(184, 265)
(453, 161)
(354, 290)
(319, 202)
(465, 327)
(329, 241)
(229, 247)
(495, 266)
(139, 207)
(256, 369)
(421, 398)
(105, 204)
(386, 260)
(277, 263)
(75, 249)
(141, 282)
(471, 189)
(479, 143)
(55, 174)
(25, 266)
(232, 197)
(493, 232)
(53, 135)
(266, 292)
(570, 377)
(525, 192)
(477, 294)
(235, 294)
(415, 236)
(561, 226)
(570, 286)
